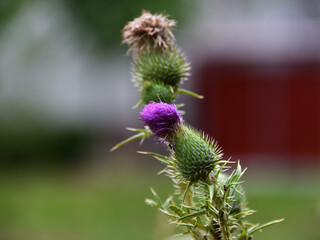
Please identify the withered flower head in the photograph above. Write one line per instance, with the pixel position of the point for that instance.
(148, 31)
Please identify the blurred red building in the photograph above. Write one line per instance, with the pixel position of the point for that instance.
(263, 108)
(262, 93)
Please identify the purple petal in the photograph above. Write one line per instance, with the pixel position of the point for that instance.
(162, 118)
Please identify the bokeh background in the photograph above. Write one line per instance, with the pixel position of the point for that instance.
(66, 99)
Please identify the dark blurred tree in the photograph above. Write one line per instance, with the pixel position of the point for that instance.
(8, 9)
(103, 20)
(100, 21)
(25, 140)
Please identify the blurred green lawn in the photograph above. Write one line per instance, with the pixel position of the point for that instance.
(111, 207)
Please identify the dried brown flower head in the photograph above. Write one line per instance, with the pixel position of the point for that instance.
(148, 31)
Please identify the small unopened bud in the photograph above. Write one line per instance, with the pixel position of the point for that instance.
(156, 92)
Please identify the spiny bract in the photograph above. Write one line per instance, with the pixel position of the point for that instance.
(169, 68)
(195, 155)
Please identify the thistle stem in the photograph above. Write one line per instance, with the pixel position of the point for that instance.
(223, 218)
(198, 235)
(225, 233)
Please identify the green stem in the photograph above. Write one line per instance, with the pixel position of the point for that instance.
(225, 232)
(223, 218)
(198, 235)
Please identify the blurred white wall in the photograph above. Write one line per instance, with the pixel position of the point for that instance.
(45, 70)
(255, 30)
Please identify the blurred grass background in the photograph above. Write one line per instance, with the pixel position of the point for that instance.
(110, 205)
(66, 98)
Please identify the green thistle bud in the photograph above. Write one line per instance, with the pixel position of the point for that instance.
(169, 67)
(156, 92)
(195, 155)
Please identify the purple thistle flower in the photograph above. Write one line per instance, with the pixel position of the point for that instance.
(162, 118)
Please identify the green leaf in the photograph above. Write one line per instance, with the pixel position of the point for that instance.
(187, 92)
(137, 104)
(243, 234)
(151, 203)
(145, 130)
(192, 215)
(176, 210)
(156, 197)
(186, 191)
(142, 133)
(189, 225)
(191, 207)
(236, 175)
(213, 211)
(159, 157)
(172, 216)
(166, 203)
(244, 213)
(211, 192)
(260, 227)
(136, 136)
(181, 234)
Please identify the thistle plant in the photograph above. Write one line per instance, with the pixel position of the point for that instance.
(209, 203)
